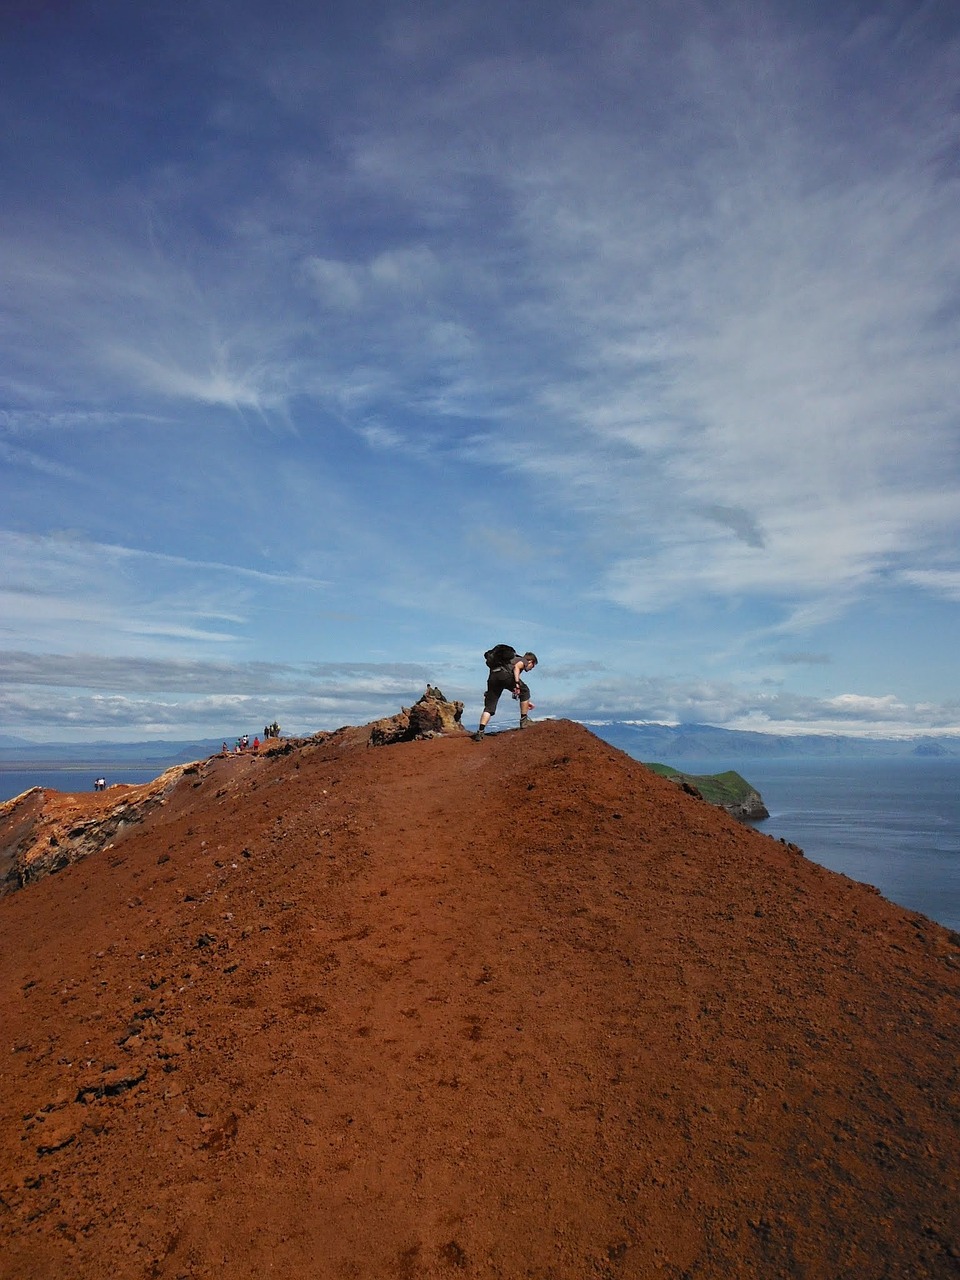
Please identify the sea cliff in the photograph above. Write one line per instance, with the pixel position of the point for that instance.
(728, 790)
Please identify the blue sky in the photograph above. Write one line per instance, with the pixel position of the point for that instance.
(342, 341)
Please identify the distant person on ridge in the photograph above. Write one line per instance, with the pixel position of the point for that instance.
(506, 666)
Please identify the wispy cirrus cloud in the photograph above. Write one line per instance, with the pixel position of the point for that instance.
(126, 674)
(58, 554)
(642, 318)
(107, 595)
(943, 582)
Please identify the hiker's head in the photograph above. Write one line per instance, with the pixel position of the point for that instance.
(529, 661)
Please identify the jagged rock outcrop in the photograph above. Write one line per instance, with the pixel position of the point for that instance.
(433, 714)
(750, 808)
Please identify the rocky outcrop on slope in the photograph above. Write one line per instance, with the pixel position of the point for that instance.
(43, 831)
(431, 715)
(749, 807)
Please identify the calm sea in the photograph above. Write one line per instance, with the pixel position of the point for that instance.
(894, 824)
(890, 823)
(74, 778)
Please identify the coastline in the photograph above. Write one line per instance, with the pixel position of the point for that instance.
(891, 823)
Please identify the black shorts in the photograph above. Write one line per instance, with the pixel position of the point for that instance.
(499, 682)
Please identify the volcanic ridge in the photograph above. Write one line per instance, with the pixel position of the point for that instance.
(438, 1008)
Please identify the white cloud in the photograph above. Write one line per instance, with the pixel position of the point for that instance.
(941, 582)
(857, 704)
(413, 270)
(108, 597)
(379, 436)
(764, 321)
(670, 293)
(66, 695)
(401, 273)
(216, 385)
(732, 706)
(338, 284)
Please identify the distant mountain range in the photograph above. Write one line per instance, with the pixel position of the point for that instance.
(669, 743)
(17, 755)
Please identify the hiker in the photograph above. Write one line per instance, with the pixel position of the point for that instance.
(506, 667)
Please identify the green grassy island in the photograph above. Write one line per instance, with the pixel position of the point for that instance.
(728, 790)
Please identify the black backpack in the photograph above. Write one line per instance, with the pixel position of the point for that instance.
(501, 655)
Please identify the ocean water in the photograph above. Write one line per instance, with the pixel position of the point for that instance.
(72, 778)
(892, 823)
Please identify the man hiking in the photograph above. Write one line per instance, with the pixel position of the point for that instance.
(506, 667)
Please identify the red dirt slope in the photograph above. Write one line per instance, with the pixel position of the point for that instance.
(511, 1009)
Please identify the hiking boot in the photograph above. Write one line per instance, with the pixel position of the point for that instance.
(478, 736)
(524, 722)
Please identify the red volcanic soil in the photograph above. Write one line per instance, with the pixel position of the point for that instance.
(517, 1008)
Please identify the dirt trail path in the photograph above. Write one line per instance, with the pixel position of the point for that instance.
(509, 1009)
